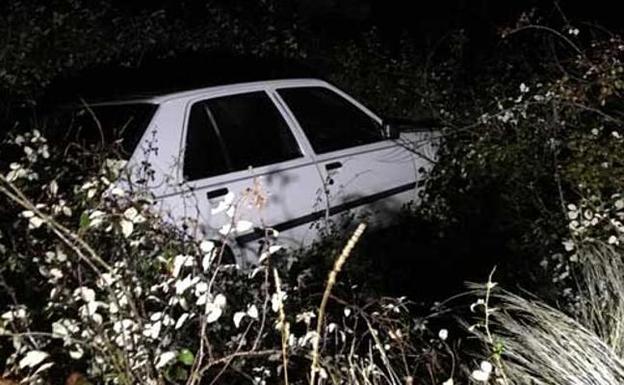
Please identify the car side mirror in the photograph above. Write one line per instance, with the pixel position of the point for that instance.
(391, 130)
(394, 126)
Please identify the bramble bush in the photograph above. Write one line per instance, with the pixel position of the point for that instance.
(96, 281)
(529, 179)
(542, 164)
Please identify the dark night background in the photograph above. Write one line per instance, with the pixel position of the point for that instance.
(319, 25)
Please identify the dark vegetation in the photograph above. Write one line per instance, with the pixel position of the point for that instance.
(528, 177)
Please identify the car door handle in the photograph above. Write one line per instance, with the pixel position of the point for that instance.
(217, 193)
(333, 166)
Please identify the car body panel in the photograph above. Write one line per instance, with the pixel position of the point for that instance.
(375, 179)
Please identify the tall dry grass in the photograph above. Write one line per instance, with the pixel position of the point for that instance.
(543, 345)
(601, 293)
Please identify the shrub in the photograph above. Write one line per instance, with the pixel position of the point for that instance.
(95, 280)
(533, 343)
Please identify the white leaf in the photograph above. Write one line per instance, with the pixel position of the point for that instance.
(181, 320)
(130, 213)
(87, 294)
(220, 300)
(200, 288)
(225, 230)
(206, 246)
(272, 249)
(213, 312)
(242, 226)
(164, 359)
(275, 248)
(126, 227)
(202, 299)
(44, 367)
(56, 273)
(306, 317)
(486, 367)
(448, 382)
(480, 375)
(53, 187)
(156, 316)
(179, 261)
(238, 317)
(118, 192)
(309, 337)
(153, 330)
(276, 301)
(59, 330)
(253, 312)
(32, 359)
(183, 285)
(35, 222)
(13, 314)
(263, 257)
(167, 321)
(207, 260)
(255, 271)
(27, 214)
(229, 198)
(76, 353)
(97, 318)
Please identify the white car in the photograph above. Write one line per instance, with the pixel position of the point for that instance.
(235, 162)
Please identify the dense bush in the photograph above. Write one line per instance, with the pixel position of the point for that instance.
(529, 177)
(96, 282)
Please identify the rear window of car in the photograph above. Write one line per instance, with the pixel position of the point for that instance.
(117, 128)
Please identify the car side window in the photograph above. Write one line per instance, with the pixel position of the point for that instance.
(235, 132)
(330, 121)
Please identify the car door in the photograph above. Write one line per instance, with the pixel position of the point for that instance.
(363, 171)
(241, 146)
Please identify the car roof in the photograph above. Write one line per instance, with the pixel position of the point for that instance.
(235, 87)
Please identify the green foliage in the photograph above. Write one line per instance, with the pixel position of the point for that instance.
(95, 280)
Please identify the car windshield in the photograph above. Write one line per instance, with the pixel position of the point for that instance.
(105, 127)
